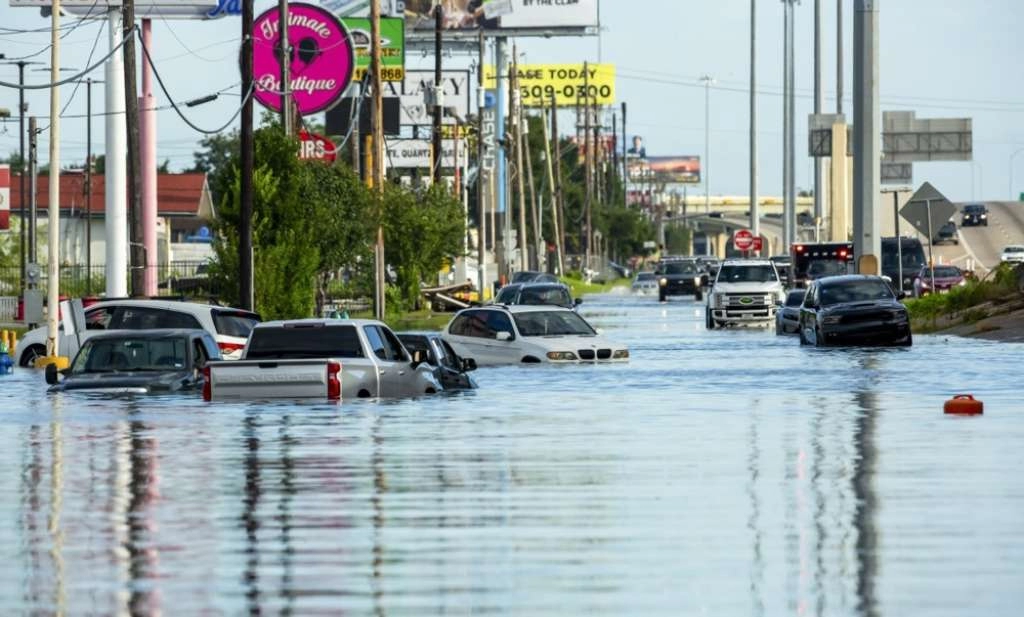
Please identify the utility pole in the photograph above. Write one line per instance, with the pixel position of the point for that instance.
(246, 292)
(819, 163)
(287, 115)
(53, 207)
(839, 56)
(33, 170)
(481, 185)
(88, 186)
(559, 195)
(501, 235)
(536, 218)
(755, 209)
(588, 170)
(707, 80)
(131, 100)
(517, 118)
(866, 137)
(625, 168)
(22, 110)
(788, 108)
(115, 174)
(436, 147)
(378, 157)
(552, 189)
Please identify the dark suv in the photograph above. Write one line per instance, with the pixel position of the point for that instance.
(680, 277)
(974, 214)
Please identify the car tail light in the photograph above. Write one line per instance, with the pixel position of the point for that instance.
(333, 381)
(226, 347)
(799, 248)
(842, 254)
(207, 386)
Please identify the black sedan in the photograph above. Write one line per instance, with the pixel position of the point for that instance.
(787, 318)
(451, 370)
(137, 362)
(853, 310)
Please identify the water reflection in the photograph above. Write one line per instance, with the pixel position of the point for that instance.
(729, 473)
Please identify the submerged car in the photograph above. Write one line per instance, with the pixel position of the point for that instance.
(946, 233)
(497, 335)
(537, 294)
(452, 372)
(944, 279)
(855, 309)
(532, 276)
(787, 317)
(645, 282)
(138, 362)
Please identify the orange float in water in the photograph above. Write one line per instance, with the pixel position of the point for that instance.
(964, 404)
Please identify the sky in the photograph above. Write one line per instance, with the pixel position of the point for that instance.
(940, 58)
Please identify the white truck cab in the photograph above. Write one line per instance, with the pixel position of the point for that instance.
(745, 291)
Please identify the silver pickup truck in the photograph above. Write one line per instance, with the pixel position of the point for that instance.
(325, 359)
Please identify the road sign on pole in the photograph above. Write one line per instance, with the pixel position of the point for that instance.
(927, 210)
(742, 240)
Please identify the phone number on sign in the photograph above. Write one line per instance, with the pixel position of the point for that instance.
(567, 93)
(387, 73)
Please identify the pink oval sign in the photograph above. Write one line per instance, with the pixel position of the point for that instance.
(322, 58)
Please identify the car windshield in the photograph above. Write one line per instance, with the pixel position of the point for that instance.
(682, 267)
(943, 272)
(552, 323)
(974, 209)
(796, 298)
(747, 274)
(132, 354)
(556, 296)
(825, 267)
(855, 291)
(1014, 249)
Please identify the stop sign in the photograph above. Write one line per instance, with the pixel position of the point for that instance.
(743, 240)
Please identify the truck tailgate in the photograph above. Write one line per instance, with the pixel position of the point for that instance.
(261, 379)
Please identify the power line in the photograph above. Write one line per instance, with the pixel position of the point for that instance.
(6, 84)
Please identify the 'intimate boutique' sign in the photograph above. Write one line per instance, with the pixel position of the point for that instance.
(322, 58)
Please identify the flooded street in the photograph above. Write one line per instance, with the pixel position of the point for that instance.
(720, 473)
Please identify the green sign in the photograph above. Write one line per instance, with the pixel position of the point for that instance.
(392, 51)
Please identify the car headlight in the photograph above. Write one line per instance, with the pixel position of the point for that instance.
(696, 281)
(831, 320)
(663, 281)
(984, 216)
(561, 355)
(620, 354)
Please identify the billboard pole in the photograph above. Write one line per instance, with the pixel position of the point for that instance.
(286, 66)
(435, 174)
(558, 185)
(707, 80)
(481, 186)
(819, 180)
(115, 177)
(866, 136)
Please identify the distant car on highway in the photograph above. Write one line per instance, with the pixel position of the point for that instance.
(974, 214)
(1013, 253)
(946, 233)
(805, 219)
(946, 278)
(855, 309)
(645, 283)
(787, 318)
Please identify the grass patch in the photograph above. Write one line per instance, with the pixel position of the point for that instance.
(578, 287)
(413, 320)
(960, 305)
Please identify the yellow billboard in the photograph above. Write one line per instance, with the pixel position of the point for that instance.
(568, 83)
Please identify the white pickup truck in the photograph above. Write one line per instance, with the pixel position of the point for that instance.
(745, 291)
(320, 359)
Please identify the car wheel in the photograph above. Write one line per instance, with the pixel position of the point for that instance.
(907, 342)
(698, 295)
(28, 359)
(662, 297)
(709, 320)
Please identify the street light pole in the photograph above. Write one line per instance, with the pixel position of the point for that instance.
(1013, 156)
(755, 214)
(707, 81)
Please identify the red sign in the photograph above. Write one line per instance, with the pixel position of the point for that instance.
(758, 244)
(316, 147)
(5, 196)
(743, 240)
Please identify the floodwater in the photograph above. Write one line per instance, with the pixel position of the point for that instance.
(718, 473)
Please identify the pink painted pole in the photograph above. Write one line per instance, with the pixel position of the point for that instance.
(147, 136)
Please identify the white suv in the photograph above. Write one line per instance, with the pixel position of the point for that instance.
(229, 327)
(746, 291)
(498, 334)
(1013, 253)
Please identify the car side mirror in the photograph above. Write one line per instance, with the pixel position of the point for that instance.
(468, 364)
(900, 295)
(504, 336)
(52, 374)
(577, 301)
